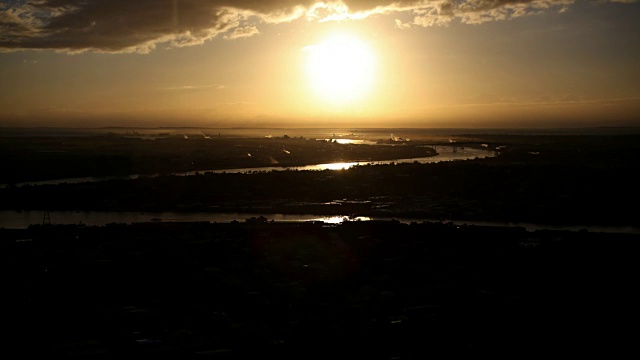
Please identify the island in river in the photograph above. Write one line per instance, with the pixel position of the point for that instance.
(35, 158)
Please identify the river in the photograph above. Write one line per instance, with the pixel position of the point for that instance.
(445, 153)
(22, 219)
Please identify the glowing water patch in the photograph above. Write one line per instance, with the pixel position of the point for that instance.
(341, 219)
(337, 166)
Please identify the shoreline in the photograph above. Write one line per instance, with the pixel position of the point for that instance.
(15, 219)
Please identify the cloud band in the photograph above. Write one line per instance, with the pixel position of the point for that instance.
(139, 26)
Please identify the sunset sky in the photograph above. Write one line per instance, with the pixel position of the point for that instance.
(439, 63)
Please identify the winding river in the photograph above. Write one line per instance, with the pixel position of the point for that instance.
(444, 154)
(22, 219)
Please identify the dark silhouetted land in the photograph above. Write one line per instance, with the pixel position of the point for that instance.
(31, 158)
(374, 290)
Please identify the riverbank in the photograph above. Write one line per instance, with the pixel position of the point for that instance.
(29, 159)
(560, 181)
(489, 189)
(24, 219)
(444, 154)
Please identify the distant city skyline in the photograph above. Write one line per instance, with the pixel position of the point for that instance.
(439, 63)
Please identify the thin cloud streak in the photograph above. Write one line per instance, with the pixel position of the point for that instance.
(194, 87)
(241, 32)
(115, 26)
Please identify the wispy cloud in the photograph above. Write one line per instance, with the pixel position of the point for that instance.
(140, 26)
(193, 87)
(240, 32)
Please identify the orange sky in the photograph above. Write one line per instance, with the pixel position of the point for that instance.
(443, 63)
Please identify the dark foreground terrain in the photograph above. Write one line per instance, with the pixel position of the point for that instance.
(369, 290)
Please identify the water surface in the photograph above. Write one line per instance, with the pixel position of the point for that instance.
(22, 219)
(445, 153)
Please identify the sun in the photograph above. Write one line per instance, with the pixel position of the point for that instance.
(340, 70)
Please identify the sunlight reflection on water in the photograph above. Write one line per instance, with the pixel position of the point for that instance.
(444, 154)
(349, 141)
(336, 166)
(340, 219)
(22, 219)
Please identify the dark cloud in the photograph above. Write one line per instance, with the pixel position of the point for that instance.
(441, 12)
(140, 25)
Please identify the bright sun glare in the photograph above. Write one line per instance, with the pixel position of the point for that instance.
(340, 69)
